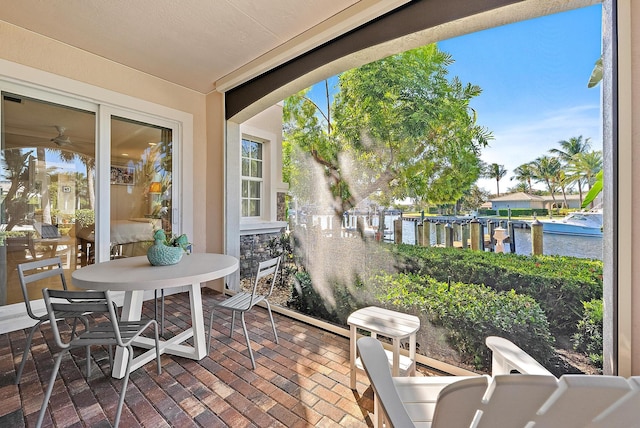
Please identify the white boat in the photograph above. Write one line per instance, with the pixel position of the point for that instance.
(584, 223)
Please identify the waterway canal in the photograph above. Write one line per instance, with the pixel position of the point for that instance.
(563, 245)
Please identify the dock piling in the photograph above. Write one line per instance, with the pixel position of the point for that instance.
(512, 236)
(536, 237)
(397, 230)
(448, 235)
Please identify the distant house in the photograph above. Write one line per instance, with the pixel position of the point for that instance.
(524, 200)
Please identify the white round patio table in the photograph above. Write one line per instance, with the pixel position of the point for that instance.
(134, 275)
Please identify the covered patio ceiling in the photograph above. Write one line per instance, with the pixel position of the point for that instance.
(199, 44)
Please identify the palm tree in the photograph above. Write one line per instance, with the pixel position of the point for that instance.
(562, 180)
(521, 187)
(584, 168)
(545, 170)
(90, 163)
(16, 164)
(498, 172)
(524, 174)
(569, 149)
(588, 164)
(572, 146)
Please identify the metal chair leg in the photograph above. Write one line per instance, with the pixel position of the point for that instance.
(47, 395)
(233, 322)
(25, 354)
(273, 324)
(123, 388)
(246, 336)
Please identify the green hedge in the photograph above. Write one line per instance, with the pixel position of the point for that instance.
(523, 212)
(487, 212)
(515, 212)
(558, 284)
(588, 338)
(470, 313)
(335, 307)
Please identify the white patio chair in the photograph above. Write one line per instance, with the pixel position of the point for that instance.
(507, 357)
(509, 400)
(112, 333)
(242, 302)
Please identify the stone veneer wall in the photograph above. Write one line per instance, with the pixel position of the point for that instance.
(281, 201)
(253, 250)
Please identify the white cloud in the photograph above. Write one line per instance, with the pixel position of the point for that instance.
(516, 143)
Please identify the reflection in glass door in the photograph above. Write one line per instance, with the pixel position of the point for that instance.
(140, 185)
(46, 187)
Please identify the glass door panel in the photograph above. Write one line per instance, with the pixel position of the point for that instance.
(47, 187)
(141, 185)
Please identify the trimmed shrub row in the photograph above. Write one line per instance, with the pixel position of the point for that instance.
(588, 338)
(516, 212)
(558, 284)
(470, 313)
(523, 212)
(305, 299)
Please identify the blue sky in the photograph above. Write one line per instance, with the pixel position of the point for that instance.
(534, 76)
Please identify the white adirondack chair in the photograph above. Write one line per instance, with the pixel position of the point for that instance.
(504, 400)
(507, 357)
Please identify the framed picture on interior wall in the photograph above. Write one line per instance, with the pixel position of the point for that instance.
(122, 175)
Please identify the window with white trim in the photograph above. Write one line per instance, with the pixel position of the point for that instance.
(252, 178)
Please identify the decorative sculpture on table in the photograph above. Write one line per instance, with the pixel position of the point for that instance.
(166, 251)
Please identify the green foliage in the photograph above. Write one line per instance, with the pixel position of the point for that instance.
(14, 234)
(596, 74)
(497, 172)
(470, 313)
(487, 212)
(545, 169)
(283, 246)
(84, 218)
(280, 245)
(473, 198)
(594, 191)
(172, 240)
(307, 300)
(588, 338)
(558, 284)
(398, 127)
(524, 212)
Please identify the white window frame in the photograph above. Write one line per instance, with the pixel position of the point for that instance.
(264, 145)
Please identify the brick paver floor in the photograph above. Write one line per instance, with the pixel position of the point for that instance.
(303, 381)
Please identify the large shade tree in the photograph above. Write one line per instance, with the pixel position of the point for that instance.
(397, 128)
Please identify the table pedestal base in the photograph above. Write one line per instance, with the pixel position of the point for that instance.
(131, 310)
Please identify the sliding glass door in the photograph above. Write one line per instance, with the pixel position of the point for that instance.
(80, 181)
(140, 185)
(46, 185)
